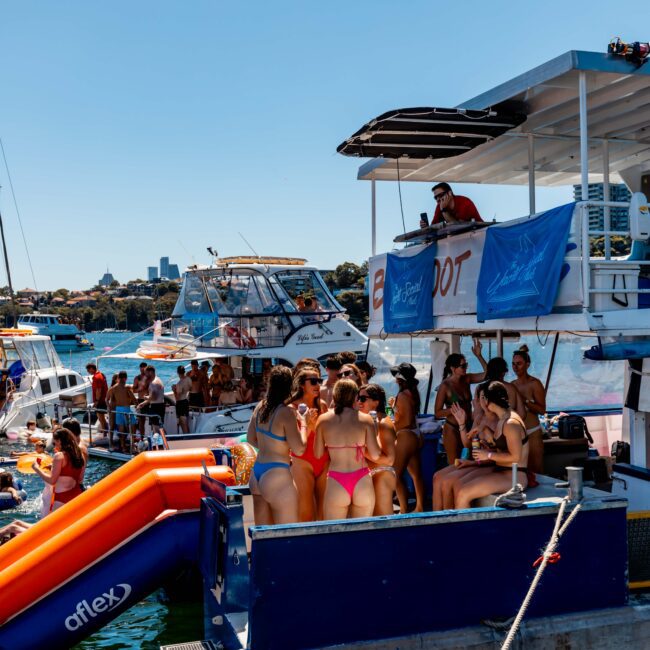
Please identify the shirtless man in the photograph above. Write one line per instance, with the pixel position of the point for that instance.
(6, 387)
(181, 391)
(120, 398)
(332, 368)
(140, 389)
(154, 405)
(197, 392)
(534, 395)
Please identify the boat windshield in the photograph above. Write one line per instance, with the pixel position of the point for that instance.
(35, 354)
(308, 284)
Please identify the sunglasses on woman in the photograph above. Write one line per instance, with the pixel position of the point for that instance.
(363, 398)
(314, 381)
(345, 373)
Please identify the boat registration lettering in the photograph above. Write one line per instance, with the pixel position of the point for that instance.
(446, 270)
(107, 602)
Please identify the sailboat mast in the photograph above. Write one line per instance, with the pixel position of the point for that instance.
(11, 288)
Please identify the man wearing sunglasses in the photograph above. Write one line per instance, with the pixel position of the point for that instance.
(451, 208)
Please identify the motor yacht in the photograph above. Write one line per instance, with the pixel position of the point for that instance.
(37, 383)
(66, 337)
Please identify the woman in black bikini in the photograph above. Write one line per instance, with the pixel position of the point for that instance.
(455, 389)
(511, 446)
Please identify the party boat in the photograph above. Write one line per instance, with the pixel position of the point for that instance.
(560, 571)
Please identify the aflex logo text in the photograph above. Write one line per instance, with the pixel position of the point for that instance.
(105, 603)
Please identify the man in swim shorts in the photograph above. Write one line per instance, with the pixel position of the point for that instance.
(120, 399)
(154, 405)
(181, 390)
(197, 391)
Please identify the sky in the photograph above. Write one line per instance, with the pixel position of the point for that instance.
(138, 129)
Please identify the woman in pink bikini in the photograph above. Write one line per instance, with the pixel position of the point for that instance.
(309, 473)
(349, 436)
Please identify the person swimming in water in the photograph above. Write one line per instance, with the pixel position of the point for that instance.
(350, 437)
(274, 431)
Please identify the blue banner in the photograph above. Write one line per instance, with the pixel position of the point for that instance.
(408, 292)
(521, 266)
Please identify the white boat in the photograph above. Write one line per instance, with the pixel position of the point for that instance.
(42, 384)
(66, 337)
(243, 309)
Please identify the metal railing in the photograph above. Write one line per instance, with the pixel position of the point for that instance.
(588, 262)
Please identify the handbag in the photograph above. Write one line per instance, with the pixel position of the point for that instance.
(573, 427)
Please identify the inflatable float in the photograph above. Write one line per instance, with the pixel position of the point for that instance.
(7, 501)
(167, 349)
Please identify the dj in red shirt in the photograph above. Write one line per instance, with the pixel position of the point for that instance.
(451, 208)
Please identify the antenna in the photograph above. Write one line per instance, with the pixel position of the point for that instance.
(247, 244)
(186, 251)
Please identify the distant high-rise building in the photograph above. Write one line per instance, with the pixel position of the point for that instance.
(619, 217)
(152, 273)
(164, 267)
(174, 273)
(106, 280)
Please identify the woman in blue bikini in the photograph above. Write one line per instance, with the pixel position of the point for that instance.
(274, 431)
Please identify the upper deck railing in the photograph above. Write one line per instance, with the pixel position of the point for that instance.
(590, 264)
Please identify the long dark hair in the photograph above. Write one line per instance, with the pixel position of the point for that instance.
(69, 446)
(6, 480)
(411, 385)
(344, 395)
(453, 361)
(496, 369)
(279, 389)
(375, 391)
(297, 390)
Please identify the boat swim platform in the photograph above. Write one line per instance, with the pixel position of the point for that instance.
(414, 573)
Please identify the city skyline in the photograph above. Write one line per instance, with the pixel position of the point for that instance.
(140, 146)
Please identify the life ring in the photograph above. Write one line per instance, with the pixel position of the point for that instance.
(240, 337)
(243, 459)
(7, 501)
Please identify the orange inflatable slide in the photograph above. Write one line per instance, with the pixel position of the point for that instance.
(102, 552)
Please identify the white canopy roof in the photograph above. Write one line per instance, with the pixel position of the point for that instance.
(618, 99)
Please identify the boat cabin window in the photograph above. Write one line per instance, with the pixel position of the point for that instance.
(46, 388)
(63, 382)
(73, 380)
(308, 284)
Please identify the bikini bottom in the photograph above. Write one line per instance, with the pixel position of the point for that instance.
(259, 469)
(349, 480)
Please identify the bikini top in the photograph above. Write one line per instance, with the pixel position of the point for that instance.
(358, 446)
(268, 432)
(501, 443)
(464, 402)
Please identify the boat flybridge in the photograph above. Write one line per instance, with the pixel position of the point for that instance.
(37, 382)
(66, 337)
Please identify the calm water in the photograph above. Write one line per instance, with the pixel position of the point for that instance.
(154, 621)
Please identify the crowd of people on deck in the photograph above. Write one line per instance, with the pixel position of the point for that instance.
(202, 388)
(338, 447)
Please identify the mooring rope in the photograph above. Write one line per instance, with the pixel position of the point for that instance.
(549, 555)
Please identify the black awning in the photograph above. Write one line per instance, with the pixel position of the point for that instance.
(428, 132)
